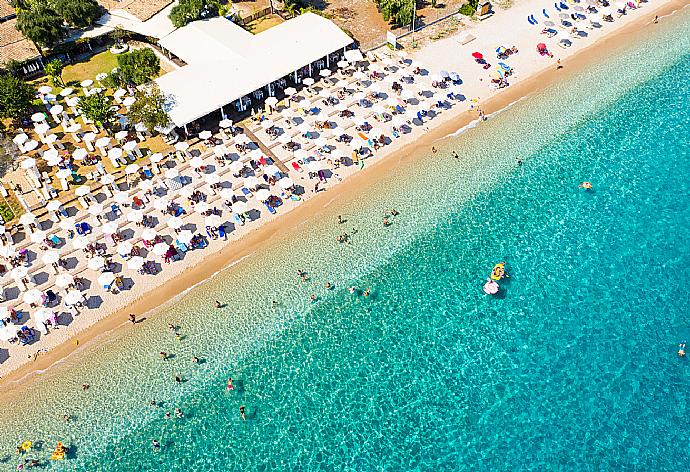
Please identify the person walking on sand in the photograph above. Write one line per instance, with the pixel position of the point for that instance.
(656, 19)
(132, 318)
(218, 304)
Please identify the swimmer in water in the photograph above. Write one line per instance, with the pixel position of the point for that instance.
(312, 298)
(167, 415)
(681, 349)
(328, 286)
(586, 185)
(163, 355)
(230, 386)
(351, 290)
(155, 444)
(386, 222)
(171, 327)
(242, 413)
(195, 360)
(178, 413)
(366, 292)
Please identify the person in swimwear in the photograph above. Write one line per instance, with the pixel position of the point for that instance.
(586, 185)
(681, 349)
(230, 386)
(242, 413)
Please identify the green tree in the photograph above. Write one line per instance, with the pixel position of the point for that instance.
(149, 108)
(54, 70)
(79, 13)
(138, 66)
(16, 97)
(187, 11)
(42, 25)
(96, 107)
(398, 12)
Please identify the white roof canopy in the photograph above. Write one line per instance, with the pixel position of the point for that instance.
(225, 62)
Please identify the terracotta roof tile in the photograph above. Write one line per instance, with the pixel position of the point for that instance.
(5, 9)
(13, 45)
(142, 9)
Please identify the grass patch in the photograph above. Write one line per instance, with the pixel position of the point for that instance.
(6, 211)
(89, 68)
(263, 23)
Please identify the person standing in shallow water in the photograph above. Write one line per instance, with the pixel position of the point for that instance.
(242, 413)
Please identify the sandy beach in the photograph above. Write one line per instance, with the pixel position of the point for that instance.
(534, 74)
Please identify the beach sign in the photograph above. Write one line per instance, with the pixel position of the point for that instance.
(391, 39)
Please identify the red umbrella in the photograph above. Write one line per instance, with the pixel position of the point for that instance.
(477, 55)
(541, 46)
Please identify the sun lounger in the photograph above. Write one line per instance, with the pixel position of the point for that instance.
(296, 166)
(545, 14)
(270, 209)
(246, 192)
(238, 219)
(147, 172)
(221, 231)
(180, 246)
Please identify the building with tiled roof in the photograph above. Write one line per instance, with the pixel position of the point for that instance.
(6, 10)
(141, 9)
(13, 45)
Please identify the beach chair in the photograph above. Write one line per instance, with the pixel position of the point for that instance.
(54, 240)
(221, 232)
(180, 246)
(115, 209)
(246, 192)
(296, 166)
(238, 219)
(147, 172)
(270, 209)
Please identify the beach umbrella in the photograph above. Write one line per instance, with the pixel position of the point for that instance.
(33, 296)
(212, 179)
(325, 93)
(121, 197)
(52, 157)
(161, 204)
(284, 138)
(64, 280)
(315, 166)
(96, 263)
(212, 220)
(205, 134)
(236, 167)
(106, 279)
(27, 219)
(227, 194)
(73, 297)
(343, 64)
(132, 169)
(286, 183)
(42, 128)
(160, 249)
(242, 139)
(38, 237)
(50, 257)
(107, 179)
(53, 205)
(67, 223)
(220, 150)
(196, 162)
(96, 209)
(80, 242)
(172, 173)
(359, 75)
(30, 145)
(109, 228)
(135, 263)
(63, 174)
(157, 157)
(225, 123)
(290, 91)
(8, 332)
(149, 234)
(185, 236)
(175, 222)
(271, 101)
(271, 170)
(121, 135)
(82, 191)
(251, 182)
(135, 216)
(19, 272)
(38, 117)
(308, 81)
(80, 154)
(325, 73)
(124, 248)
(45, 89)
(202, 207)
(263, 194)
(266, 124)
(240, 207)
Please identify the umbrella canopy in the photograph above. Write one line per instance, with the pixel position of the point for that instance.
(109, 228)
(477, 55)
(236, 167)
(157, 157)
(220, 150)
(53, 205)
(132, 169)
(290, 91)
(271, 101)
(171, 173)
(67, 223)
(124, 248)
(96, 209)
(205, 134)
(80, 242)
(181, 146)
(80, 154)
(64, 280)
(50, 257)
(135, 216)
(27, 219)
(325, 73)
(202, 207)
(135, 263)
(121, 197)
(75, 296)
(263, 194)
(185, 236)
(212, 179)
(251, 182)
(33, 296)
(38, 237)
(149, 234)
(19, 272)
(240, 207)
(175, 222)
(225, 123)
(45, 89)
(106, 279)
(196, 161)
(96, 263)
(212, 220)
(308, 81)
(266, 124)
(286, 183)
(160, 249)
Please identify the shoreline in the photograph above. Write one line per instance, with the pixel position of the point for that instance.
(286, 224)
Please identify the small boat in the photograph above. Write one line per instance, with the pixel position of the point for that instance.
(491, 287)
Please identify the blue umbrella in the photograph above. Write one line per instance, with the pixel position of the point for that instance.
(444, 74)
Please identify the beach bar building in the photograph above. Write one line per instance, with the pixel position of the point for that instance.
(228, 68)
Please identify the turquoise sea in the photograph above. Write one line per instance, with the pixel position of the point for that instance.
(574, 367)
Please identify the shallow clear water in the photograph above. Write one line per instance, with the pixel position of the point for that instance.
(574, 367)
